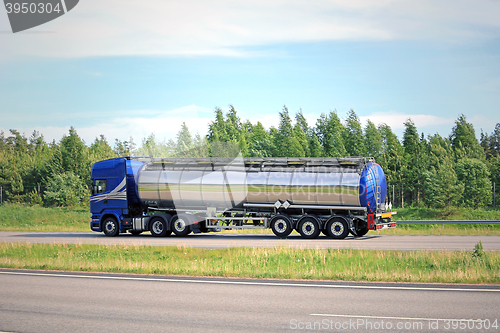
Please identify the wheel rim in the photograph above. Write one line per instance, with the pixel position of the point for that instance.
(337, 228)
(280, 226)
(180, 225)
(308, 228)
(157, 227)
(110, 226)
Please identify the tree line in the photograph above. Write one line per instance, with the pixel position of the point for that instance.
(432, 171)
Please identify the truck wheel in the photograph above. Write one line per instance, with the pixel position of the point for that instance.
(281, 225)
(180, 226)
(110, 227)
(309, 227)
(158, 227)
(362, 231)
(337, 228)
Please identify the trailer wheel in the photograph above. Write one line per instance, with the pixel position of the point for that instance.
(309, 227)
(362, 231)
(337, 227)
(110, 227)
(180, 226)
(281, 225)
(158, 227)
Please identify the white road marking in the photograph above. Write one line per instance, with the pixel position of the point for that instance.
(250, 283)
(379, 317)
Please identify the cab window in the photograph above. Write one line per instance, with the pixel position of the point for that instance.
(100, 186)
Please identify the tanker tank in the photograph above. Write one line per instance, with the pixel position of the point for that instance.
(233, 184)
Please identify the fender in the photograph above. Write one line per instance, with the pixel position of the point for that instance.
(108, 213)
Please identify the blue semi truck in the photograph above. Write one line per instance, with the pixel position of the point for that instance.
(333, 196)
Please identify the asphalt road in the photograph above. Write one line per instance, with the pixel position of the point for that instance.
(38, 301)
(217, 240)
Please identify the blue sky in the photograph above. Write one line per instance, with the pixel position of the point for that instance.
(128, 68)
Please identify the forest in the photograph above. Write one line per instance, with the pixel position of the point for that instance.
(427, 171)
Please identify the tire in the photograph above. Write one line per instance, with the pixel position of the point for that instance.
(361, 228)
(180, 226)
(110, 227)
(281, 225)
(337, 227)
(158, 227)
(309, 227)
(135, 232)
(362, 231)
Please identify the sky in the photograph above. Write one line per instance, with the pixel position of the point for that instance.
(131, 68)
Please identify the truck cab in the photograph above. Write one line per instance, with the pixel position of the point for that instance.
(113, 194)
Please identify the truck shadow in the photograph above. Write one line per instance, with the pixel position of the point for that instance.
(218, 236)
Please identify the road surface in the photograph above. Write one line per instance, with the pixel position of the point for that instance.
(218, 240)
(38, 301)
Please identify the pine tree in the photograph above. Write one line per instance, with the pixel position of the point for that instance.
(373, 140)
(217, 129)
(299, 142)
(302, 121)
(353, 136)
(304, 139)
(392, 156)
(329, 131)
(124, 148)
(150, 147)
(495, 141)
(259, 144)
(100, 150)
(184, 140)
(441, 185)
(415, 162)
(464, 141)
(242, 143)
(200, 147)
(474, 176)
(75, 156)
(315, 146)
(283, 139)
(233, 125)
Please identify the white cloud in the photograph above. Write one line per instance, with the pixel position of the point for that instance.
(164, 126)
(227, 27)
(396, 120)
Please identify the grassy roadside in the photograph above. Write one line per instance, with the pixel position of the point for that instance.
(453, 213)
(35, 218)
(476, 266)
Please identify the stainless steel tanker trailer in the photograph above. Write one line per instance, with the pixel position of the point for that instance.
(335, 196)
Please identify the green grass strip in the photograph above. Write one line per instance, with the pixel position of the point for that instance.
(476, 266)
(36, 218)
(16, 217)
